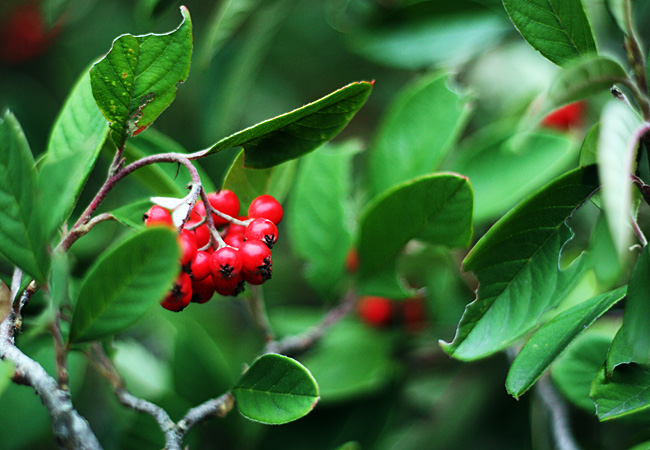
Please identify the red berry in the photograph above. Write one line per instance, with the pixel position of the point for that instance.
(414, 313)
(187, 241)
(225, 263)
(158, 216)
(180, 295)
(257, 264)
(375, 311)
(233, 228)
(234, 286)
(266, 206)
(200, 266)
(24, 34)
(263, 230)
(202, 290)
(565, 117)
(234, 240)
(352, 261)
(199, 208)
(224, 201)
(201, 232)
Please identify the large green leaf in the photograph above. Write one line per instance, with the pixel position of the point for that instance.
(517, 263)
(626, 392)
(558, 29)
(300, 131)
(251, 183)
(125, 283)
(550, 340)
(22, 237)
(137, 80)
(417, 133)
(617, 146)
(76, 140)
(319, 214)
(276, 390)
(435, 208)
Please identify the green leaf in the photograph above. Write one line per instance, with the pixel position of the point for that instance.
(132, 214)
(124, 284)
(275, 390)
(626, 392)
(589, 148)
(300, 131)
(419, 130)
(137, 80)
(76, 140)
(550, 340)
(60, 279)
(435, 208)
(251, 183)
(620, 130)
(558, 29)
(6, 372)
(319, 214)
(620, 11)
(517, 263)
(22, 237)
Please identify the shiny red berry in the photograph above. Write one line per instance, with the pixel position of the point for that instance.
(266, 206)
(187, 241)
(263, 230)
(257, 264)
(233, 228)
(225, 263)
(375, 311)
(234, 240)
(232, 287)
(202, 290)
(201, 232)
(180, 295)
(158, 216)
(565, 117)
(200, 266)
(224, 201)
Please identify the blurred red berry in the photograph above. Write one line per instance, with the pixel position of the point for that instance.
(352, 261)
(566, 117)
(158, 216)
(202, 290)
(180, 295)
(200, 266)
(187, 241)
(24, 34)
(375, 311)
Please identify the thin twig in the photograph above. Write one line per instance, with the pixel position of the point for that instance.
(556, 407)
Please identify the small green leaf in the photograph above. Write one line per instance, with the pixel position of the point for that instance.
(550, 340)
(124, 284)
(626, 392)
(76, 140)
(558, 29)
(251, 183)
(22, 239)
(620, 130)
(137, 80)
(276, 390)
(319, 214)
(419, 130)
(517, 263)
(434, 208)
(300, 131)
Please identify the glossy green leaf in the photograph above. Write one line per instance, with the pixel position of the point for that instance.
(300, 131)
(435, 208)
(418, 131)
(76, 140)
(251, 183)
(626, 392)
(132, 214)
(319, 214)
(22, 237)
(550, 340)
(517, 263)
(124, 284)
(617, 146)
(275, 390)
(558, 29)
(137, 80)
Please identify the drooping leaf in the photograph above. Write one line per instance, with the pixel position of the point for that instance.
(275, 390)
(435, 208)
(76, 140)
(22, 237)
(551, 340)
(319, 214)
(417, 133)
(617, 146)
(558, 29)
(251, 183)
(625, 393)
(517, 263)
(137, 80)
(300, 131)
(124, 284)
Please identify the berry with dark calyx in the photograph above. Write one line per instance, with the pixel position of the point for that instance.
(224, 201)
(375, 311)
(225, 264)
(257, 264)
(187, 241)
(263, 230)
(180, 295)
(202, 290)
(200, 266)
(158, 216)
(232, 287)
(266, 206)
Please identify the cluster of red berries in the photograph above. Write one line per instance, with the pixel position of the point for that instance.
(238, 252)
(381, 311)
